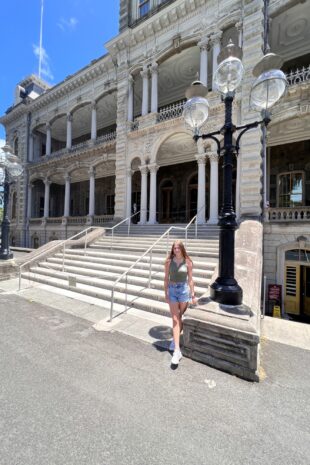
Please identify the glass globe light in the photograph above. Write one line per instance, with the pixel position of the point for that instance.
(196, 112)
(3, 159)
(2, 175)
(267, 89)
(15, 169)
(228, 75)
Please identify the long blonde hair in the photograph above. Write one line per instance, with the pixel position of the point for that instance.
(183, 250)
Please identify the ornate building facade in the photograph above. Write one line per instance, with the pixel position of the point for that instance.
(112, 135)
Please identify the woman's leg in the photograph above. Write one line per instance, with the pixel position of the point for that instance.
(183, 306)
(176, 323)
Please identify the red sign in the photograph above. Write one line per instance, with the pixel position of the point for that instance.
(275, 292)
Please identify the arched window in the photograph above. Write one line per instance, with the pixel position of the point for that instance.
(15, 146)
(14, 201)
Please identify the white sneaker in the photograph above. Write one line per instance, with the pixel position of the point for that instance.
(172, 346)
(176, 357)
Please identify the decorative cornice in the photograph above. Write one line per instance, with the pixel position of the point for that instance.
(87, 151)
(70, 83)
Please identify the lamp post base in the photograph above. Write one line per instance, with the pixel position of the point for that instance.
(226, 294)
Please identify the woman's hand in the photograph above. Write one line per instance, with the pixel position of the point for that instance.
(167, 297)
(194, 300)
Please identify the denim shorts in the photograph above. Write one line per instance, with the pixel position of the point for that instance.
(178, 292)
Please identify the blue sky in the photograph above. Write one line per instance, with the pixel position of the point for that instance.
(74, 33)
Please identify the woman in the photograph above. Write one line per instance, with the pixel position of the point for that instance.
(178, 283)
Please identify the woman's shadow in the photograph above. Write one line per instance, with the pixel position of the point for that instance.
(162, 336)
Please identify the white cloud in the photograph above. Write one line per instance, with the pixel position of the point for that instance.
(2, 142)
(67, 24)
(45, 66)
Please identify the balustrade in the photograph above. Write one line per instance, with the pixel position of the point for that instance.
(298, 76)
(101, 219)
(288, 214)
(172, 111)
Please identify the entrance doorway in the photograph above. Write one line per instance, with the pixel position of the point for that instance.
(305, 289)
(297, 282)
(166, 202)
(192, 197)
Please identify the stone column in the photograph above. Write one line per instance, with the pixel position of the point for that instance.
(47, 183)
(91, 209)
(31, 147)
(29, 204)
(48, 139)
(67, 196)
(153, 185)
(154, 99)
(203, 75)
(145, 91)
(216, 45)
(69, 131)
(130, 98)
(201, 194)
(214, 187)
(144, 170)
(129, 174)
(93, 121)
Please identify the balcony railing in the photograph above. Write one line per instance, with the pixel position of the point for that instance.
(174, 110)
(101, 219)
(71, 220)
(299, 76)
(106, 137)
(282, 215)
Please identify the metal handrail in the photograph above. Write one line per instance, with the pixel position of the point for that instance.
(166, 233)
(118, 224)
(56, 246)
(63, 244)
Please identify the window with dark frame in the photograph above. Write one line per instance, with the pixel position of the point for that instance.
(144, 7)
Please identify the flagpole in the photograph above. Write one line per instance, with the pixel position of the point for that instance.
(41, 33)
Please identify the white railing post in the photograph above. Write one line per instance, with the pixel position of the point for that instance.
(126, 293)
(111, 308)
(85, 242)
(196, 228)
(150, 269)
(63, 257)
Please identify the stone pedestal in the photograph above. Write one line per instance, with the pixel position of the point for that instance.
(224, 336)
(8, 269)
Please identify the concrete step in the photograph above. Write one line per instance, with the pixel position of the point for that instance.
(140, 246)
(132, 256)
(157, 282)
(142, 303)
(119, 264)
(150, 240)
(139, 290)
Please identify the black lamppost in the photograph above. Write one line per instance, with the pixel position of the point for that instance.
(11, 170)
(266, 90)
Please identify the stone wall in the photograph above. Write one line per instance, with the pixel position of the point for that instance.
(277, 237)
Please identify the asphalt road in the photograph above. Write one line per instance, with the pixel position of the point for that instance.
(71, 395)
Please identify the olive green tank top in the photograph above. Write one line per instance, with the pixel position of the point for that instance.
(178, 273)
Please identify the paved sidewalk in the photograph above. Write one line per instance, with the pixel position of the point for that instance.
(148, 327)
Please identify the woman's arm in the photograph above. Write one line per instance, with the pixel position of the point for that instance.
(190, 280)
(166, 279)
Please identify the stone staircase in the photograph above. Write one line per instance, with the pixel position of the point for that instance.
(92, 271)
